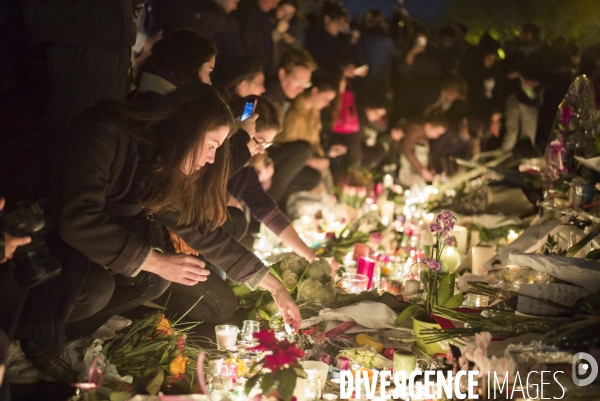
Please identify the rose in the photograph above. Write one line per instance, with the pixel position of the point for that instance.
(163, 326)
(177, 365)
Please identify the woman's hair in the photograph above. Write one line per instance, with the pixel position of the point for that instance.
(325, 80)
(175, 126)
(334, 11)
(269, 113)
(242, 68)
(178, 57)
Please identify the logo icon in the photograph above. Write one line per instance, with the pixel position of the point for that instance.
(584, 365)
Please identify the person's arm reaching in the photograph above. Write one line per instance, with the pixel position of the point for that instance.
(283, 300)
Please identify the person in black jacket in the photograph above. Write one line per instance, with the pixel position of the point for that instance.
(169, 159)
(255, 27)
(88, 51)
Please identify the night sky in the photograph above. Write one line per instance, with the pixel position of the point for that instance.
(427, 11)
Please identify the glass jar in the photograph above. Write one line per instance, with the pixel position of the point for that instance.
(248, 329)
(312, 391)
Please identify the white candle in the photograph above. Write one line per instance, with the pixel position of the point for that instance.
(480, 254)
(461, 235)
(388, 181)
(511, 236)
(475, 238)
(411, 287)
(449, 259)
(227, 337)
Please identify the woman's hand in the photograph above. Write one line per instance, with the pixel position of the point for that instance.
(427, 175)
(11, 243)
(176, 267)
(283, 300)
(288, 308)
(337, 150)
(249, 125)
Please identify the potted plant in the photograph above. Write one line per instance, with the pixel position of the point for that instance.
(439, 286)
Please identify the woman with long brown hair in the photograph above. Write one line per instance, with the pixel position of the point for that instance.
(135, 167)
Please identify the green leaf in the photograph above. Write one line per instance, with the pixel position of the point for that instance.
(240, 289)
(455, 301)
(165, 357)
(408, 312)
(593, 254)
(287, 383)
(263, 314)
(156, 383)
(267, 383)
(252, 314)
(119, 396)
(446, 289)
(251, 383)
(274, 272)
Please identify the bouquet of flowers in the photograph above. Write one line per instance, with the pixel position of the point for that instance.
(279, 368)
(356, 185)
(155, 352)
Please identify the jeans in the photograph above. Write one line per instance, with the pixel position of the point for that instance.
(106, 294)
(520, 121)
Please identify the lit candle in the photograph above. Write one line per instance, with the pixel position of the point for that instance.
(226, 336)
(411, 287)
(428, 218)
(388, 181)
(385, 221)
(387, 210)
(512, 236)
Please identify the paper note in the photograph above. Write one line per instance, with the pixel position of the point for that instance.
(563, 294)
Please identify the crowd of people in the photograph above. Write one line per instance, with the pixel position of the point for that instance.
(151, 178)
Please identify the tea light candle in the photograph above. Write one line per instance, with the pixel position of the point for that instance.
(329, 397)
(411, 287)
(511, 236)
(226, 336)
(388, 181)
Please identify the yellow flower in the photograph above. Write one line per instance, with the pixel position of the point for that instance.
(177, 365)
(163, 326)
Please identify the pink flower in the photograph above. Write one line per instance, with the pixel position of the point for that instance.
(432, 264)
(565, 116)
(483, 340)
(449, 241)
(436, 228)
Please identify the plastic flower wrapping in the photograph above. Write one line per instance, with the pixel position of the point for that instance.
(575, 131)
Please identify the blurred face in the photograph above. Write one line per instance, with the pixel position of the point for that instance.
(267, 5)
(447, 42)
(320, 100)
(374, 115)
(489, 60)
(285, 12)
(262, 140)
(451, 94)
(264, 172)
(206, 69)
(255, 86)
(227, 5)
(206, 150)
(295, 82)
(433, 131)
(334, 26)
